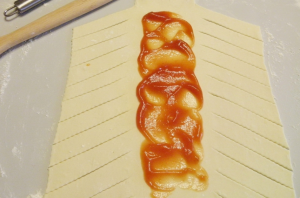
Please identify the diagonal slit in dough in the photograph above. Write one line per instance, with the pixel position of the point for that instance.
(231, 29)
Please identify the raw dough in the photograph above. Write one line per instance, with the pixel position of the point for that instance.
(96, 152)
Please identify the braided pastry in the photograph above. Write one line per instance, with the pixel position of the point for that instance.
(170, 99)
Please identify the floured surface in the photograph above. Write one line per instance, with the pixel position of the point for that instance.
(96, 149)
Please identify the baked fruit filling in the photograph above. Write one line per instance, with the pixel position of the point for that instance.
(170, 100)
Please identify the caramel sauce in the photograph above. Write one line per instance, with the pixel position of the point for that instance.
(170, 100)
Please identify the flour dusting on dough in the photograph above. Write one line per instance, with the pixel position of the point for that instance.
(270, 35)
(276, 51)
(16, 152)
(4, 77)
(36, 195)
(26, 48)
(2, 172)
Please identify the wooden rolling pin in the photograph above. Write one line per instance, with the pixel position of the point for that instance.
(49, 21)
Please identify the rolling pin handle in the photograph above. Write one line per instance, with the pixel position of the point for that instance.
(11, 11)
(21, 6)
(56, 18)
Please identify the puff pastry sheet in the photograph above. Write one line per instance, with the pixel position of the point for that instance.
(96, 152)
